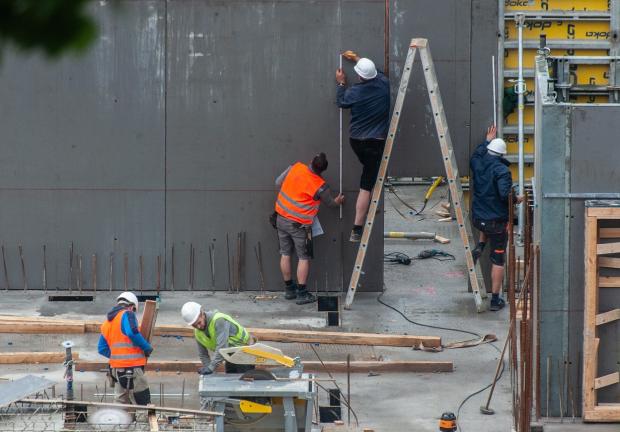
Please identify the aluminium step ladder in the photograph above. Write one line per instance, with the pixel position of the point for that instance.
(475, 275)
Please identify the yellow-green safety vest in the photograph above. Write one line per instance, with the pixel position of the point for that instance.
(209, 341)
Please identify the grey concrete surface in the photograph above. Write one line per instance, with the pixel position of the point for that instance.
(429, 292)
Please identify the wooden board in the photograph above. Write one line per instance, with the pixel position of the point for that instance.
(309, 366)
(34, 357)
(148, 319)
(607, 380)
(606, 317)
(605, 233)
(609, 262)
(608, 248)
(609, 281)
(57, 326)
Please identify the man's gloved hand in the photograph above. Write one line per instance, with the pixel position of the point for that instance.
(148, 353)
(205, 370)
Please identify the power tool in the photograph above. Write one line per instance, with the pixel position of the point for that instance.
(447, 423)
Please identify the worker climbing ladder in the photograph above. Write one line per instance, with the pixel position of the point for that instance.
(452, 173)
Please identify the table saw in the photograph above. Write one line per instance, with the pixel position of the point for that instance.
(269, 399)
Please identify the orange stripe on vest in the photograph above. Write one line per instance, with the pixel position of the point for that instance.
(296, 198)
(123, 353)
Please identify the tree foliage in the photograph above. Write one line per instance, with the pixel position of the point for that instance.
(52, 26)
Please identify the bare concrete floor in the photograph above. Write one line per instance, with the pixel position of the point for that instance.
(428, 292)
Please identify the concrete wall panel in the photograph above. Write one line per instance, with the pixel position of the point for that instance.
(594, 168)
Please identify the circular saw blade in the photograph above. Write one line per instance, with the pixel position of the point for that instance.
(110, 418)
(258, 375)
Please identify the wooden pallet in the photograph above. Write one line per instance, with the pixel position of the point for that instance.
(595, 258)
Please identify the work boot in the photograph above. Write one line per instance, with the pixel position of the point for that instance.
(356, 234)
(303, 296)
(497, 304)
(290, 292)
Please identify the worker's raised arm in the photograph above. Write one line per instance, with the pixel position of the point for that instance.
(346, 97)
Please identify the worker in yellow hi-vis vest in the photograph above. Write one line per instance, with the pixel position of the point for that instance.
(213, 331)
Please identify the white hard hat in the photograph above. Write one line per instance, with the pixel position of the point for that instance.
(191, 312)
(129, 297)
(365, 68)
(497, 145)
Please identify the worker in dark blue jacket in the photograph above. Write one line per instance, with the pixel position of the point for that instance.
(492, 182)
(369, 101)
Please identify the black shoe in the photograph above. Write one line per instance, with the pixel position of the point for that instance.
(304, 297)
(355, 236)
(497, 304)
(290, 292)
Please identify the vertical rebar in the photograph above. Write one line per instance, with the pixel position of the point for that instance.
(70, 282)
(548, 390)
(172, 269)
(6, 273)
(349, 389)
(44, 269)
(141, 265)
(158, 287)
(111, 272)
(183, 393)
(561, 391)
(126, 272)
(79, 258)
(93, 272)
(228, 263)
(189, 271)
(21, 258)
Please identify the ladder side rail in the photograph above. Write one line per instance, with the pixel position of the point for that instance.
(378, 188)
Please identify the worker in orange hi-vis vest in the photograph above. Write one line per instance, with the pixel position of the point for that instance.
(122, 343)
(302, 189)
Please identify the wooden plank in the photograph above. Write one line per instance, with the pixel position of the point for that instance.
(273, 335)
(606, 317)
(590, 346)
(603, 212)
(263, 334)
(340, 338)
(608, 248)
(609, 282)
(39, 328)
(607, 380)
(148, 319)
(602, 414)
(605, 233)
(609, 262)
(309, 366)
(34, 357)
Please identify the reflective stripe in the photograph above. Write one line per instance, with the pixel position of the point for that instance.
(126, 356)
(123, 345)
(298, 204)
(294, 213)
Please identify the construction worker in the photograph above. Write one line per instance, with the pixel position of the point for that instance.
(302, 189)
(213, 331)
(122, 343)
(492, 189)
(369, 101)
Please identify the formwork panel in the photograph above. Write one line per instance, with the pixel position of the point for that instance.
(416, 149)
(551, 5)
(251, 90)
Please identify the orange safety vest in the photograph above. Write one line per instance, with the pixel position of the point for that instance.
(123, 353)
(296, 198)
